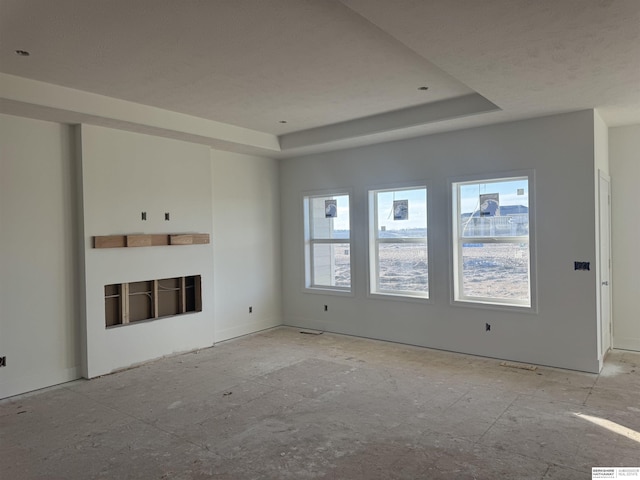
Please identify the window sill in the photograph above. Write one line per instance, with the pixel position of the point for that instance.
(487, 305)
(402, 297)
(328, 291)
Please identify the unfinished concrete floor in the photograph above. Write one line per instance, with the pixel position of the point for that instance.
(285, 405)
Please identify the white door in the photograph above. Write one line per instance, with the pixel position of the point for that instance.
(605, 264)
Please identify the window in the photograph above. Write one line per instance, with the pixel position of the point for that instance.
(327, 242)
(398, 254)
(492, 255)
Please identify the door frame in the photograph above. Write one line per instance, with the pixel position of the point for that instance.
(602, 336)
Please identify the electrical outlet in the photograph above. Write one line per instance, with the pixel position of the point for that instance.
(487, 327)
(143, 216)
(3, 361)
(326, 308)
(167, 217)
(250, 309)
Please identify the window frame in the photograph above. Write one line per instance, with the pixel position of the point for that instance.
(373, 279)
(456, 242)
(309, 242)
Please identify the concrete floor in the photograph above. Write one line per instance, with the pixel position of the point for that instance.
(285, 405)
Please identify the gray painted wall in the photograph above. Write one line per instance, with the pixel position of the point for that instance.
(624, 153)
(560, 149)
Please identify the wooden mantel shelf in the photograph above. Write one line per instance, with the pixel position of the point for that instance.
(150, 240)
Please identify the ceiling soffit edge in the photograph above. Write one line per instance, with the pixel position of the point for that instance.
(464, 106)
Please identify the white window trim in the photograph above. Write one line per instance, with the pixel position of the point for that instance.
(307, 266)
(373, 290)
(455, 246)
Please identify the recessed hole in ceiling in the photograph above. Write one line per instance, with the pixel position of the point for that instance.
(282, 121)
(423, 88)
(22, 53)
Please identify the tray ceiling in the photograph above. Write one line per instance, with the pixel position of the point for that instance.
(339, 73)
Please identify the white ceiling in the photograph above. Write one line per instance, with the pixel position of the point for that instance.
(340, 73)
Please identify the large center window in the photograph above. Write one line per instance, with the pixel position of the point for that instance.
(327, 242)
(492, 248)
(398, 253)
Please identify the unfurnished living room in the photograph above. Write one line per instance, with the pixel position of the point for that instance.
(339, 239)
